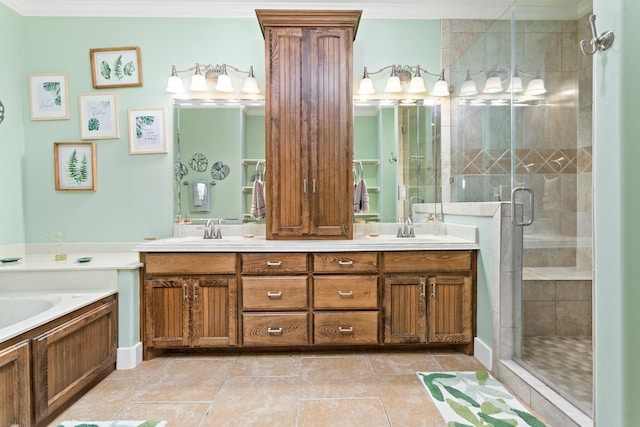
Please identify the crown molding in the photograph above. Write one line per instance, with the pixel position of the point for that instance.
(371, 9)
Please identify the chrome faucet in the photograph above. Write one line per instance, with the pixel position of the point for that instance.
(406, 230)
(210, 231)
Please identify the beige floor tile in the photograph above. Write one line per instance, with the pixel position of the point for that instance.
(342, 412)
(176, 414)
(187, 379)
(458, 362)
(144, 370)
(336, 377)
(255, 401)
(267, 365)
(407, 402)
(393, 363)
(101, 402)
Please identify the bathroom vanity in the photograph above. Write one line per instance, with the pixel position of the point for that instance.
(256, 294)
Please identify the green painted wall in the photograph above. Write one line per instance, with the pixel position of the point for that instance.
(616, 226)
(12, 139)
(134, 192)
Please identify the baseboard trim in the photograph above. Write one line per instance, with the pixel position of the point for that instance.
(483, 353)
(129, 357)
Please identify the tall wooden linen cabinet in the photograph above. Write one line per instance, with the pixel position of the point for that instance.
(309, 122)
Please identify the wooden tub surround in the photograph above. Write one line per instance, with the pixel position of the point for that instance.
(297, 301)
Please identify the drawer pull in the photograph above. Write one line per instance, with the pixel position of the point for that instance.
(184, 291)
(345, 330)
(274, 331)
(274, 294)
(345, 262)
(274, 263)
(345, 294)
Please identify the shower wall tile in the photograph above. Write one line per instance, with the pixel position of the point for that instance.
(541, 52)
(539, 318)
(543, 26)
(469, 26)
(573, 318)
(573, 290)
(538, 290)
(570, 52)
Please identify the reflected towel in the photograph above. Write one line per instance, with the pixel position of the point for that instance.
(258, 204)
(361, 197)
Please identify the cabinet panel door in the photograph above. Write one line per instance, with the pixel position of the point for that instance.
(286, 134)
(405, 315)
(15, 394)
(331, 131)
(213, 312)
(450, 309)
(167, 313)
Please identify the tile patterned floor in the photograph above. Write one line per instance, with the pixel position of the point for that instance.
(567, 362)
(323, 389)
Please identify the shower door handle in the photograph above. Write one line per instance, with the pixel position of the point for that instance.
(524, 222)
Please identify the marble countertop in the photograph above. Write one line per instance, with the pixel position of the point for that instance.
(99, 261)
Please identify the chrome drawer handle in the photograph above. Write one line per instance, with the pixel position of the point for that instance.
(345, 262)
(274, 263)
(274, 331)
(345, 294)
(274, 294)
(345, 330)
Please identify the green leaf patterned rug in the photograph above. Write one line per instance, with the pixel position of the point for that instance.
(113, 423)
(475, 399)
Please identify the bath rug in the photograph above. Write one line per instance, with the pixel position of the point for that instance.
(113, 423)
(468, 399)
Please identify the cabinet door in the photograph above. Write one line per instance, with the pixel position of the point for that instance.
(167, 313)
(450, 309)
(15, 394)
(405, 317)
(287, 145)
(331, 131)
(213, 312)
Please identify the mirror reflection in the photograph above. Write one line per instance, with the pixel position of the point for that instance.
(219, 152)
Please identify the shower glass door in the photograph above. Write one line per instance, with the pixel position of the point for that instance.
(551, 203)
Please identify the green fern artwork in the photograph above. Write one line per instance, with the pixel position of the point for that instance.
(143, 121)
(118, 70)
(93, 124)
(53, 87)
(77, 170)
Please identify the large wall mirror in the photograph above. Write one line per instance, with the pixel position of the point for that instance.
(219, 151)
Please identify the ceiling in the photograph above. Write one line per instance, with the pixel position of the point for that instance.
(372, 9)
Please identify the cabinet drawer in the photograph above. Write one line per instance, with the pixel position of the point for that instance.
(190, 263)
(345, 327)
(274, 293)
(274, 263)
(346, 262)
(345, 291)
(426, 261)
(266, 329)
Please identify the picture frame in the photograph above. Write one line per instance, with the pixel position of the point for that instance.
(116, 67)
(49, 96)
(147, 131)
(75, 166)
(99, 116)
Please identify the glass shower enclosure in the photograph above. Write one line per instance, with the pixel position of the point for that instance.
(521, 133)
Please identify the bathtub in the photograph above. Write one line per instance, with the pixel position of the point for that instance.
(23, 311)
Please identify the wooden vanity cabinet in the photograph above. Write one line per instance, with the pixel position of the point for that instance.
(15, 392)
(275, 299)
(189, 300)
(309, 128)
(345, 298)
(430, 297)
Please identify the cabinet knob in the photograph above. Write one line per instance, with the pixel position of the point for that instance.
(274, 331)
(274, 294)
(348, 330)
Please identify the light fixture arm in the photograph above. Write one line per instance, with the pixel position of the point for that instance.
(599, 43)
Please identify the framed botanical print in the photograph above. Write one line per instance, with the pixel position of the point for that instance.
(75, 166)
(116, 67)
(49, 96)
(147, 131)
(99, 116)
